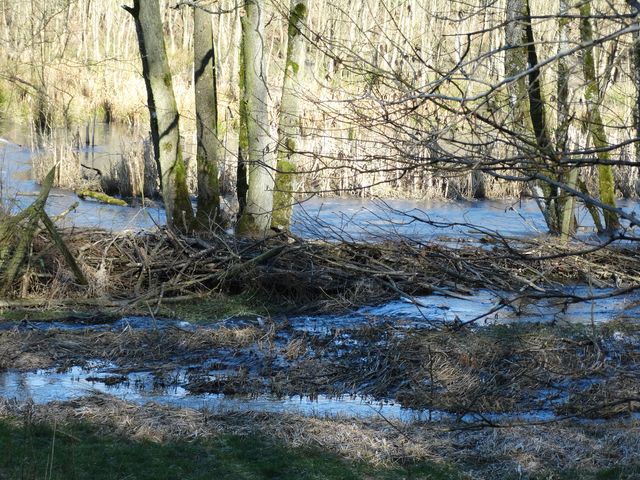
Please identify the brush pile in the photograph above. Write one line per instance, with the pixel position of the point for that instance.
(157, 266)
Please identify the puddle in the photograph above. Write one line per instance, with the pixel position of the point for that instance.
(426, 312)
(435, 310)
(45, 386)
(121, 325)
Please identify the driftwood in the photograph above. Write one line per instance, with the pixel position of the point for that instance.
(160, 266)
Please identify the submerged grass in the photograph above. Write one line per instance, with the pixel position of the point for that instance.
(78, 451)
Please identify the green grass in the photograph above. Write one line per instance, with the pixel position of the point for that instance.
(612, 473)
(220, 306)
(79, 452)
(215, 307)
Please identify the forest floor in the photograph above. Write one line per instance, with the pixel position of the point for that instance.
(454, 399)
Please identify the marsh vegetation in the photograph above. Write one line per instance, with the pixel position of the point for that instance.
(319, 240)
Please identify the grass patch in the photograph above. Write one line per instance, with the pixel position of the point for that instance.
(220, 306)
(611, 473)
(34, 451)
(44, 315)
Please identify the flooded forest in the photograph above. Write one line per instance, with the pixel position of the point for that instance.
(330, 239)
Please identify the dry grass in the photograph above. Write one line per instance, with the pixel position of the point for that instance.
(483, 454)
(476, 375)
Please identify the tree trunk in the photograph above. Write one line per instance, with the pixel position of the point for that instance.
(242, 177)
(289, 127)
(256, 217)
(204, 73)
(568, 223)
(163, 113)
(521, 55)
(515, 61)
(595, 124)
(636, 81)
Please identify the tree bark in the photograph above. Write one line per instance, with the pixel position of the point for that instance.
(594, 121)
(256, 217)
(521, 54)
(204, 73)
(289, 126)
(636, 79)
(568, 223)
(163, 113)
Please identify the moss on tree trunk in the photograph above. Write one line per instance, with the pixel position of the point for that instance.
(594, 120)
(163, 113)
(255, 219)
(289, 127)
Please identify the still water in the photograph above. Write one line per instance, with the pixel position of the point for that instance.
(315, 217)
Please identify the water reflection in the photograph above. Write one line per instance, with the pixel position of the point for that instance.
(333, 218)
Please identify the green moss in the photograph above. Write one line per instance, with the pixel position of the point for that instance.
(167, 80)
(283, 194)
(595, 124)
(182, 203)
(220, 306)
(247, 226)
(101, 197)
(4, 98)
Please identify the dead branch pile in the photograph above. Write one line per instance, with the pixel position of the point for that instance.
(129, 267)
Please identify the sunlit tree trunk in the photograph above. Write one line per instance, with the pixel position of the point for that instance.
(204, 73)
(289, 128)
(256, 216)
(570, 175)
(595, 123)
(163, 113)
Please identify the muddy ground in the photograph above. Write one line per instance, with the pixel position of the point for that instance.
(571, 371)
(494, 399)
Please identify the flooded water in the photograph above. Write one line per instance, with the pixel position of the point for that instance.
(335, 218)
(141, 387)
(199, 382)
